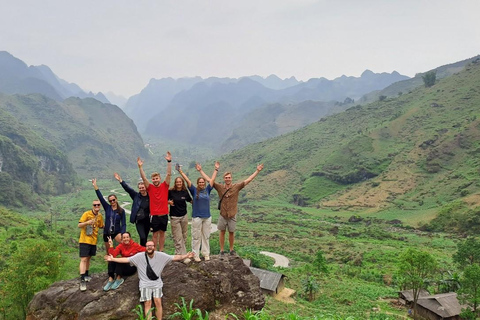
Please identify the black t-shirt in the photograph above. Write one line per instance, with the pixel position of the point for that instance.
(180, 198)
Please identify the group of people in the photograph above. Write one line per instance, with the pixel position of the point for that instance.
(154, 202)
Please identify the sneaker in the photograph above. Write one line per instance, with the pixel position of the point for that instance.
(108, 286)
(207, 258)
(233, 253)
(88, 278)
(117, 283)
(83, 285)
(222, 255)
(187, 261)
(197, 259)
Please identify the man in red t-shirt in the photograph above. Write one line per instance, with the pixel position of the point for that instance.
(158, 194)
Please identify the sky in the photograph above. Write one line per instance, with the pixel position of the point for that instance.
(119, 45)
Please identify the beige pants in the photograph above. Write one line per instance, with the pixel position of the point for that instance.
(179, 232)
(201, 228)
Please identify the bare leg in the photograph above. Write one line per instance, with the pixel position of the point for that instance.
(84, 264)
(231, 239)
(147, 305)
(158, 308)
(161, 239)
(222, 240)
(156, 236)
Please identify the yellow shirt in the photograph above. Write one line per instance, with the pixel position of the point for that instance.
(90, 239)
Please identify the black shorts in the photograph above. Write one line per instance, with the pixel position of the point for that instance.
(113, 235)
(159, 223)
(87, 250)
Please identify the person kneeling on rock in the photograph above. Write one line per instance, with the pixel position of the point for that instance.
(126, 248)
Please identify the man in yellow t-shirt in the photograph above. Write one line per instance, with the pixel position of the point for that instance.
(89, 224)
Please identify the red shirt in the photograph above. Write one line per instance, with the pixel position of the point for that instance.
(126, 250)
(158, 199)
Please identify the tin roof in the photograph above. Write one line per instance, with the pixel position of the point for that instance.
(268, 279)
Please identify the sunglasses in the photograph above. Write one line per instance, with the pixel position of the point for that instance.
(96, 205)
(111, 201)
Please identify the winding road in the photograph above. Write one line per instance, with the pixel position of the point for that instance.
(280, 261)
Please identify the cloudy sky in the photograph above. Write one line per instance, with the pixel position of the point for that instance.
(119, 45)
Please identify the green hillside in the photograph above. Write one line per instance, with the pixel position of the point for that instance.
(417, 151)
(44, 144)
(96, 137)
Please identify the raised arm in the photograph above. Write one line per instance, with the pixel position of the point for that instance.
(198, 166)
(142, 173)
(168, 157)
(249, 179)
(105, 205)
(184, 176)
(214, 174)
(125, 186)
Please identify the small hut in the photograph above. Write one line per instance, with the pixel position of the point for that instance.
(271, 282)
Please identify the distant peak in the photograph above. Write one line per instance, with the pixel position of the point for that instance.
(367, 73)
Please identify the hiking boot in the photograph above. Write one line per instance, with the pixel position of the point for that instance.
(108, 286)
(88, 278)
(117, 283)
(233, 253)
(187, 261)
(197, 259)
(207, 258)
(83, 285)
(222, 255)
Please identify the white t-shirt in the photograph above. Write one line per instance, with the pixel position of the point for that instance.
(158, 262)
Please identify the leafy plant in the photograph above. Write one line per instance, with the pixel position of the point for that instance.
(186, 312)
(140, 314)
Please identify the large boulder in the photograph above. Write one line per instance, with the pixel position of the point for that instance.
(217, 286)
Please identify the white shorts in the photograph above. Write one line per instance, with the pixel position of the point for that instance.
(147, 293)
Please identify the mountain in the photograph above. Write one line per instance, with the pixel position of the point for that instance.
(403, 86)
(17, 77)
(96, 137)
(30, 165)
(228, 106)
(117, 100)
(274, 82)
(417, 151)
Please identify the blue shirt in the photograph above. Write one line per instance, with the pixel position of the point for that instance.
(201, 204)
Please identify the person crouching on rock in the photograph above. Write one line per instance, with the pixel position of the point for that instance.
(149, 267)
(126, 248)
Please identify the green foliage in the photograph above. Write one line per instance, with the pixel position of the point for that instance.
(415, 267)
(310, 286)
(470, 290)
(468, 252)
(31, 267)
(320, 263)
(187, 312)
(429, 78)
(141, 315)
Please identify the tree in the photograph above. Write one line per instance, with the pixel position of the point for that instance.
(468, 252)
(470, 291)
(320, 262)
(429, 78)
(310, 287)
(32, 267)
(415, 266)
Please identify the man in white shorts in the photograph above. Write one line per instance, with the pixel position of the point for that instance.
(151, 288)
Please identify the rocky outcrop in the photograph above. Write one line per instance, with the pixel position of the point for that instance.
(217, 286)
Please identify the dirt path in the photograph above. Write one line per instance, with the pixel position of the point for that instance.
(280, 261)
